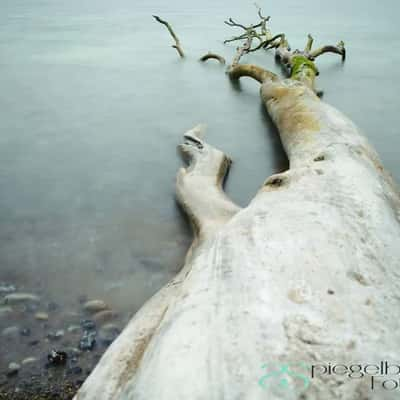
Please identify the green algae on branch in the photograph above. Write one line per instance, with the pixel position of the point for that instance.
(303, 70)
(301, 64)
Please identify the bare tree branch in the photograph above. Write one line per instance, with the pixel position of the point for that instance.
(259, 74)
(240, 51)
(264, 31)
(338, 49)
(231, 22)
(213, 56)
(241, 37)
(269, 43)
(177, 44)
(309, 44)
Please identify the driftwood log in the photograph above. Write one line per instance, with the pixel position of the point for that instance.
(307, 273)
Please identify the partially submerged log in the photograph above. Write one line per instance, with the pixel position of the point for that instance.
(308, 272)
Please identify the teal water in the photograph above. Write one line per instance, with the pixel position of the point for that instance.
(94, 102)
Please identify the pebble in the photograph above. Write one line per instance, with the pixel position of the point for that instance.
(5, 311)
(88, 324)
(57, 357)
(10, 331)
(4, 288)
(25, 332)
(73, 328)
(13, 368)
(15, 298)
(88, 341)
(94, 306)
(56, 335)
(110, 327)
(104, 316)
(108, 333)
(42, 316)
(29, 360)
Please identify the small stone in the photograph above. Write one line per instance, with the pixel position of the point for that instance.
(34, 342)
(29, 360)
(57, 357)
(13, 368)
(42, 316)
(88, 324)
(25, 332)
(94, 306)
(10, 331)
(88, 341)
(110, 328)
(108, 333)
(5, 311)
(4, 288)
(73, 328)
(104, 316)
(15, 298)
(330, 291)
(56, 335)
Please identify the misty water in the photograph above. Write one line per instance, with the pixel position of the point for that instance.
(94, 102)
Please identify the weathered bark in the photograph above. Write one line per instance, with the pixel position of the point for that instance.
(307, 272)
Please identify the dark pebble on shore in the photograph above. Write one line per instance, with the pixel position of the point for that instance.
(88, 341)
(88, 325)
(25, 332)
(57, 357)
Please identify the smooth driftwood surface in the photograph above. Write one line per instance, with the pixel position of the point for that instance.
(307, 272)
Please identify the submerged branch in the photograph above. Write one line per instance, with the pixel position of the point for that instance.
(177, 44)
(253, 71)
(213, 56)
(338, 49)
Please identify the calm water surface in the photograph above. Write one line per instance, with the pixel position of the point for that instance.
(94, 101)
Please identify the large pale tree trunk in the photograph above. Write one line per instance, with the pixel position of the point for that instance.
(307, 272)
